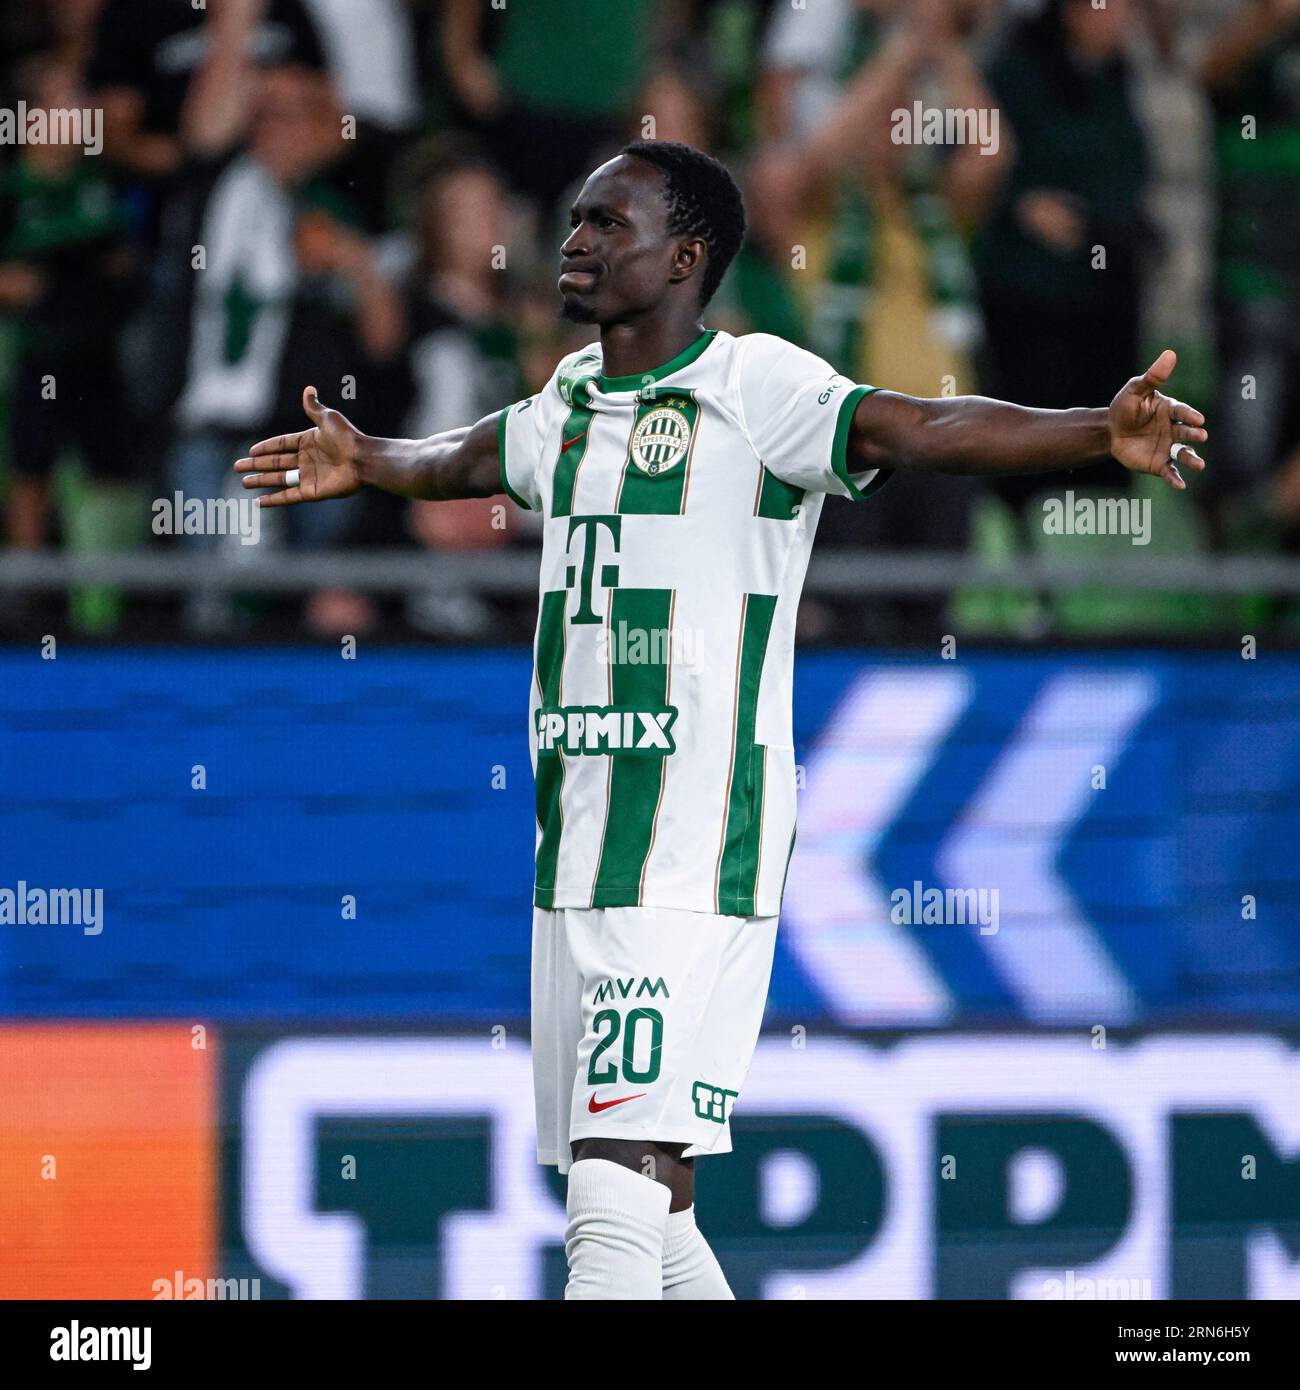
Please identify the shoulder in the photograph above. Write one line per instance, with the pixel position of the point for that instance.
(765, 345)
(760, 355)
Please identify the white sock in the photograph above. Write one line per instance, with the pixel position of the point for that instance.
(691, 1269)
(615, 1237)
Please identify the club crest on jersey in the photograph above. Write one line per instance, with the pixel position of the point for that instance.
(660, 440)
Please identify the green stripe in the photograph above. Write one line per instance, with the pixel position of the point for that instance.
(840, 448)
(738, 863)
(550, 762)
(635, 781)
(576, 432)
(658, 494)
(501, 458)
(778, 500)
(656, 374)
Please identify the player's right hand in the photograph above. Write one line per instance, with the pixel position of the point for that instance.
(325, 457)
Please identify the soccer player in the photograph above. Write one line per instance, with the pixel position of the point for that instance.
(680, 473)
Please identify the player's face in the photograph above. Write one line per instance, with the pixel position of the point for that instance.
(619, 260)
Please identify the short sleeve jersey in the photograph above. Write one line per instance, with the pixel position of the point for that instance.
(679, 506)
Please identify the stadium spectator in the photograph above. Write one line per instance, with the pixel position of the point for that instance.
(65, 28)
(858, 247)
(145, 58)
(1252, 72)
(807, 57)
(893, 294)
(1073, 197)
(553, 85)
(890, 291)
(463, 361)
(65, 276)
(288, 290)
(370, 51)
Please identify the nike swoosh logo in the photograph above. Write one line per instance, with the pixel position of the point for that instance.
(564, 448)
(596, 1106)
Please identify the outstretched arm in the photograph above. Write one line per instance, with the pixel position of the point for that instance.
(972, 434)
(334, 459)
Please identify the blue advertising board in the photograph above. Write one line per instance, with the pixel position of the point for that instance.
(281, 834)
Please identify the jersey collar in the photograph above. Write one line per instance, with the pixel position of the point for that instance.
(657, 374)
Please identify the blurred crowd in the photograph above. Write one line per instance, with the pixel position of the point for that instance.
(369, 196)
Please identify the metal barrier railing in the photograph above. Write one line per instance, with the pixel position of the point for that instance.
(831, 572)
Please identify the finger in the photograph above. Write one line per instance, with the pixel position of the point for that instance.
(276, 478)
(311, 404)
(1189, 458)
(281, 444)
(1182, 414)
(266, 461)
(1186, 434)
(1157, 373)
(287, 498)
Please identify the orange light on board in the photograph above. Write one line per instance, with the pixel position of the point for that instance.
(108, 1162)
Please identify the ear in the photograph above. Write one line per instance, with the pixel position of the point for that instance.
(689, 260)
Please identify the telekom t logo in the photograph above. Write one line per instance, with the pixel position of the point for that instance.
(608, 573)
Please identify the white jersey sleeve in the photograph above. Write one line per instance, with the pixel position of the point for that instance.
(521, 436)
(796, 410)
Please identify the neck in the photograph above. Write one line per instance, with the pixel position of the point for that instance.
(641, 346)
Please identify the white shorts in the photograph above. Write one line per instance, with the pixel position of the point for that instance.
(644, 1024)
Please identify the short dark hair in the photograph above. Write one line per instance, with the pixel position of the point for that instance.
(703, 200)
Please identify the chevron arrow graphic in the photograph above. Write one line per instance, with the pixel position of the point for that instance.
(1010, 836)
(872, 753)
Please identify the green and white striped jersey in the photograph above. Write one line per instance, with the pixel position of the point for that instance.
(680, 506)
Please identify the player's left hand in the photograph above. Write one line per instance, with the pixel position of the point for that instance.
(1145, 425)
